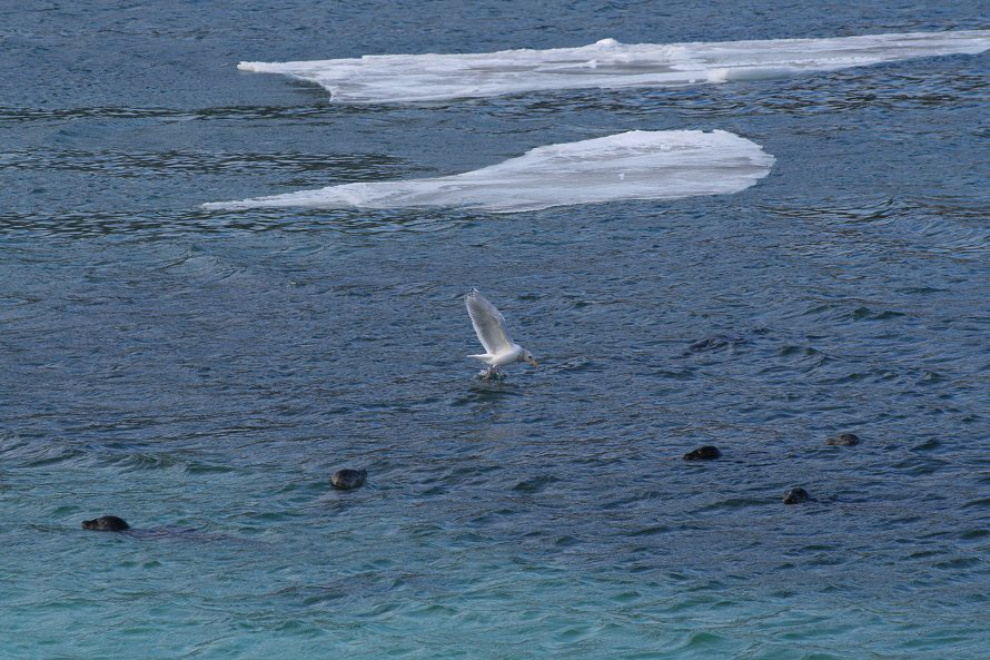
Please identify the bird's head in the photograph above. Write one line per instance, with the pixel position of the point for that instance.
(528, 357)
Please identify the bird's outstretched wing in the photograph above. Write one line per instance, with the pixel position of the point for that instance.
(488, 323)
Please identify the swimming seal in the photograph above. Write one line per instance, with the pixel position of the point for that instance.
(106, 524)
(843, 440)
(348, 479)
(796, 496)
(706, 453)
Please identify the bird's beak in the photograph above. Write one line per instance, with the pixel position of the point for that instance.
(532, 362)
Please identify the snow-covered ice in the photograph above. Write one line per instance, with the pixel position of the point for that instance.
(608, 64)
(632, 165)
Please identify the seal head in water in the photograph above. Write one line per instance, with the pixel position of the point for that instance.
(349, 479)
(106, 524)
(706, 453)
(843, 440)
(796, 496)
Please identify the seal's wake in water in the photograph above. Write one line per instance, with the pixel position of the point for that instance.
(608, 64)
(633, 165)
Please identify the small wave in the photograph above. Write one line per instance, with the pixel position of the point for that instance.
(578, 364)
(141, 461)
(10, 114)
(535, 484)
(36, 451)
(716, 343)
(166, 163)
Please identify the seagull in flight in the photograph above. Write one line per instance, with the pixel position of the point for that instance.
(494, 336)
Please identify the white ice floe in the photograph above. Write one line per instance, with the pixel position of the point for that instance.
(632, 165)
(608, 64)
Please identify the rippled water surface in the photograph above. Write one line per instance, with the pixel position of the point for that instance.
(202, 374)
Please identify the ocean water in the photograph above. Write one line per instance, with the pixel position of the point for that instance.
(203, 373)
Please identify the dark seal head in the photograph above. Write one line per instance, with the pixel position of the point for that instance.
(348, 479)
(796, 496)
(843, 440)
(706, 453)
(106, 524)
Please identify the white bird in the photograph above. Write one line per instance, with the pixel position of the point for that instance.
(494, 336)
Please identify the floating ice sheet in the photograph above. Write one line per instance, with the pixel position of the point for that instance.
(608, 64)
(633, 165)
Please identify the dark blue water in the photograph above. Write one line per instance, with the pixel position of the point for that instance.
(202, 374)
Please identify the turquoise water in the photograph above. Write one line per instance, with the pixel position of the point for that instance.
(202, 375)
